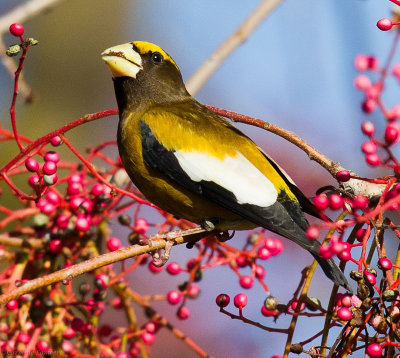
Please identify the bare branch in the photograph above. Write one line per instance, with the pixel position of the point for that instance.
(205, 71)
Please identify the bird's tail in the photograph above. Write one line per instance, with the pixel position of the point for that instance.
(329, 266)
(332, 271)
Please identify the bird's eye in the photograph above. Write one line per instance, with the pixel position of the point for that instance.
(156, 57)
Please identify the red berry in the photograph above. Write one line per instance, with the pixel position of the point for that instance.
(312, 233)
(52, 156)
(368, 106)
(344, 255)
(384, 24)
(369, 147)
(385, 263)
(102, 280)
(373, 62)
(193, 291)
(33, 180)
(113, 244)
(43, 346)
(12, 305)
(23, 337)
(263, 253)
(77, 324)
(391, 133)
(75, 203)
(183, 313)
(373, 159)
(371, 278)
(53, 198)
(294, 305)
(83, 222)
(73, 188)
(374, 350)
(105, 330)
(67, 346)
(240, 300)
(69, 333)
(246, 282)
(344, 314)
(174, 297)
(368, 128)
(272, 246)
(343, 176)
(361, 62)
(241, 261)
(360, 202)
(55, 141)
(49, 168)
(55, 246)
(141, 226)
(148, 338)
(362, 82)
(97, 189)
(325, 251)
(346, 300)
(17, 29)
(155, 269)
(122, 355)
(173, 268)
(151, 327)
(374, 91)
(260, 272)
(321, 202)
(360, 234)
(32, 165)
(396, 69)
(266, 312)
(222, 300)
(335, 201)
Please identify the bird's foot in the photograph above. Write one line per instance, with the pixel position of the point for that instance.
(224, 236)
(161, 260)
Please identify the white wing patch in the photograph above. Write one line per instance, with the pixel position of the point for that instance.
(236, 174)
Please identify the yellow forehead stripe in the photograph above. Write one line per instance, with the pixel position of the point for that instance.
(145, 47)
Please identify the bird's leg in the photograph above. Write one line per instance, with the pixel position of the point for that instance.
(162, 260)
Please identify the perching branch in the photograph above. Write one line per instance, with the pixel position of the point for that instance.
(156, 242)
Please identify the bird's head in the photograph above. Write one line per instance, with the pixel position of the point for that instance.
(142, 70)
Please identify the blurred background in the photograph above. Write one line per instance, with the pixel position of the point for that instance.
(295, 71)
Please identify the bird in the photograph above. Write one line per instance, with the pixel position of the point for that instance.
(193, 163)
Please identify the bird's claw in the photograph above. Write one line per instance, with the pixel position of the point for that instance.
(158, 260)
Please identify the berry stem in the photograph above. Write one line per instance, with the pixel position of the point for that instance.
(15, 93)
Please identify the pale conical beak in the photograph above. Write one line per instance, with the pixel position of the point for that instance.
(123, 60)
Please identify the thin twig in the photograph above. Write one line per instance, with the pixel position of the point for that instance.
(237, 38)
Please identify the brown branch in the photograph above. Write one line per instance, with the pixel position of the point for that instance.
(356, 186)
(18, 242)
(237, 38)
(156, 242)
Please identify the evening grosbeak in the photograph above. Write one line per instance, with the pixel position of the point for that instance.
(194, 164)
